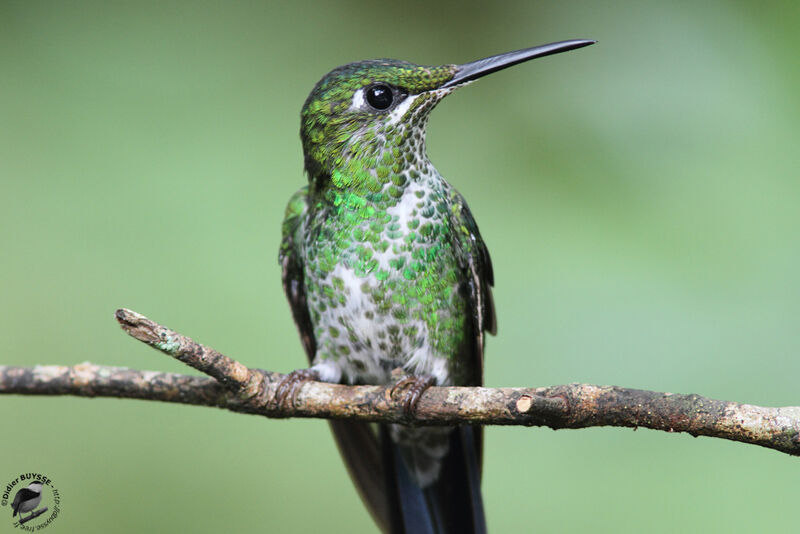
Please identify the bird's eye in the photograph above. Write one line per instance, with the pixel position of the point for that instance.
(380, 96)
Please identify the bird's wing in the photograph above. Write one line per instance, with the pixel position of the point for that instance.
(291, 260)
(357, 442)
(23, 495)
(477, 265)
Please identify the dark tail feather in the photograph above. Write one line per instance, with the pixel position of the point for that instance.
(452, 504)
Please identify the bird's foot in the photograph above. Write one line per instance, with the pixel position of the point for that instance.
(410, 389)
(289, 387)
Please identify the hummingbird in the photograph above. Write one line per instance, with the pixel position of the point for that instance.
(389, 281)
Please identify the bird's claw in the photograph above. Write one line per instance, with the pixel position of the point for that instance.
(411, 388)
(289, 387)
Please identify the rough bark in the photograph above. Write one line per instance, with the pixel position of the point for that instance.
(238, 388)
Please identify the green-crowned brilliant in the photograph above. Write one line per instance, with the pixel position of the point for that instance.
(390, 282)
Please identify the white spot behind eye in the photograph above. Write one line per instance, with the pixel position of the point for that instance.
(358, 100)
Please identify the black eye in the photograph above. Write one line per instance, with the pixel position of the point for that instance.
(380, 96)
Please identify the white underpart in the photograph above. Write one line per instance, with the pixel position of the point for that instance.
(423, 363)
(399, 112)
(419, 360)
(329, 371)
(366, 330)
(403, 209)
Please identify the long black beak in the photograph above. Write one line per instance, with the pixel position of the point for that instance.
(475, 69)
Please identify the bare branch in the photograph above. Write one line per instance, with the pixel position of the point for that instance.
(235, 387)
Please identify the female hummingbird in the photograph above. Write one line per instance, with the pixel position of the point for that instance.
(387, 277)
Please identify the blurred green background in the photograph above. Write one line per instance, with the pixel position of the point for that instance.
(639, 198)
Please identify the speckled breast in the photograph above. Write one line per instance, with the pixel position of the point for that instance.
(382, 280)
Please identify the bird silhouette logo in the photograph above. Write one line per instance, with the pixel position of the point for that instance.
(30, 496)
(27, 500)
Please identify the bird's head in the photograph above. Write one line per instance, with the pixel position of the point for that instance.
(364, 123)
(362, 119)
